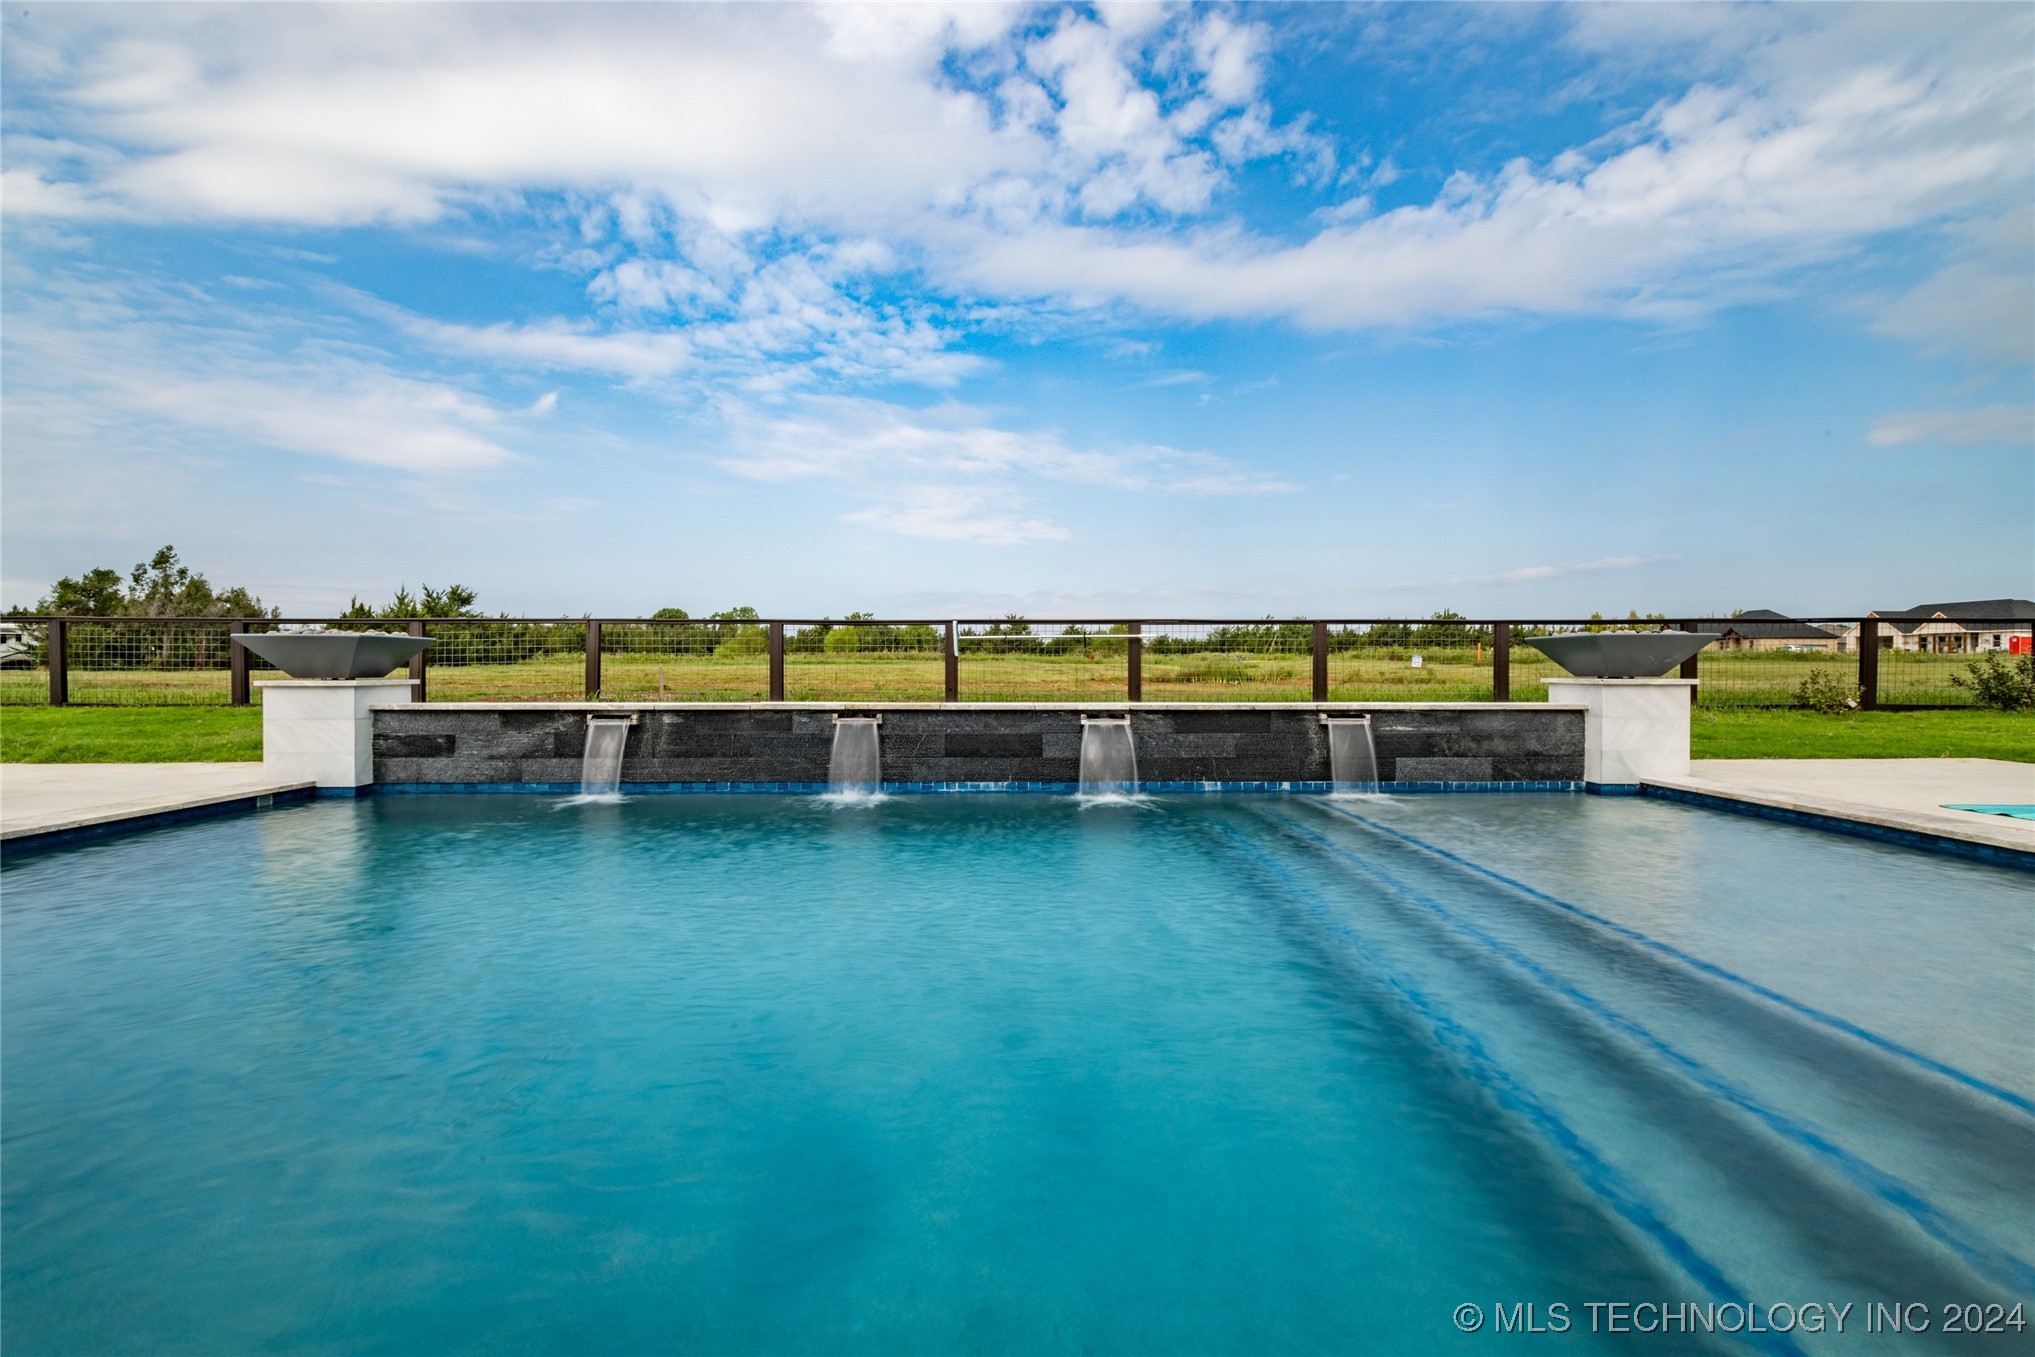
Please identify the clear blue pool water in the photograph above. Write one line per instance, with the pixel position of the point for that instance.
(999, 1074)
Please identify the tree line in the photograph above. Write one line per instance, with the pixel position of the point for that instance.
(163, 587)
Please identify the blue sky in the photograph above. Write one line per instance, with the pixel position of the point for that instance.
(1155, 310)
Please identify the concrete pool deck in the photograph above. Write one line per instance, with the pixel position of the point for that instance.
(61, 798)
(1902, 794)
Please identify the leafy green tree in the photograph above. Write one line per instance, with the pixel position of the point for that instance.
(1009, 636)
(455, 600)
(1446, 630)
(809, 640)
(736, 634)
(845, 640)
(96, 593)
(162, 586)
(1389, 636)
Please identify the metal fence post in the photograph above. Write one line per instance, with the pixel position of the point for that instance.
(1321, 661)
(1868, 664)
(777, 661)
(417, 692)
(1501, 661)
(1136, 675)
(1689, 665)
(59, 663)
(593, 660)
(236, 667)
(953, 662)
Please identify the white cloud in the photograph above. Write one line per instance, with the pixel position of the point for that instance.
(778, 325)
(1982, 302)
(1717, 186)
(733, 116)
(1530, 574)
(870, 441)
(945, 513)
(945, 472)
(2009, 425)
(373, 418)
(326, 116)
(123, 369)
(1048, 157)
(556, 344)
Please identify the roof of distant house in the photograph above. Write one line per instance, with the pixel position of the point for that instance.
(1905, 620)
(1764, 624)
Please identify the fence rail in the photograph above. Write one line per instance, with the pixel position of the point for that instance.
(184, 661)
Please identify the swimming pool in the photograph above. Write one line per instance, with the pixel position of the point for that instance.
(952, 1074)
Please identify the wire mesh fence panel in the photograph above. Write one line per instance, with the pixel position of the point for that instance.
(858, 661)
(1774, 673)
(1944, 665)
(1529, 668)
(683, 662)
(24, 685)
(1017, 661)
(24, 664)
(148, 662)
(507, 661)
(1440, 661)
(1230, 662)
(1764, 660)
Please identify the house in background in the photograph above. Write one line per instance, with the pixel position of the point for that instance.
(2002, 625)
(1765, 629)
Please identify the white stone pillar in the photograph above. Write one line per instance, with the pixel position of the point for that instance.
(322, 730)
(1636, 728)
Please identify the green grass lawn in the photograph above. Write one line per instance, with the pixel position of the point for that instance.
(1783, 734)
(130, 734)
(227, 734)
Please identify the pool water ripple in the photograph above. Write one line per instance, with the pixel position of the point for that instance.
(769, 1074)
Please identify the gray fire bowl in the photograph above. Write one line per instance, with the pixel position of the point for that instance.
(334, 654)
(1622, 654)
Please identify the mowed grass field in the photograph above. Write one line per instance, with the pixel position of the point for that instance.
(137, 727)
(1731, 678)
(130, 735)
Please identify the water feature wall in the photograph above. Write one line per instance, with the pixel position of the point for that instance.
(497, 743)
(600, 771)
(1352, 753)
(1109, 756)
(856, 763)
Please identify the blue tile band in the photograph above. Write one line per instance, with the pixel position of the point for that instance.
(925, 788)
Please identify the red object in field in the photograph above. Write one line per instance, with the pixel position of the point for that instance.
(2021, 645)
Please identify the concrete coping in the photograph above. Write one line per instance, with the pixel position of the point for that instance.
(1976, 829)
(53, 799)
(880, 705)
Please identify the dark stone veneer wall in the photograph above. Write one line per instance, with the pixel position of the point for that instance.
(471, 743)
